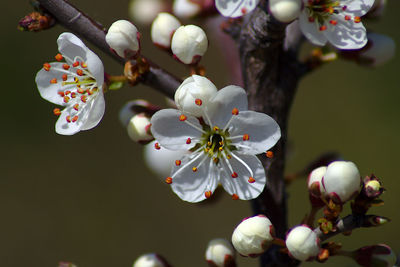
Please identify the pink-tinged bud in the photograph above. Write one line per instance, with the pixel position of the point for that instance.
(302, 243)
(220, 253)
(314, 182)
(150, 260)
(285, 10)
(253, 236)
(123, 39)
(139, 128)
(376, 255)
(189, 44)
(162, 29)
(185, 8)
(341, 181)
(379, 50)
(145, 11)
(66, 264)
(372, 187)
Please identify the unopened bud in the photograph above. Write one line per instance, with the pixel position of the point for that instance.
(190, 91)
(139, 128)
(376, 255)
(150, 260)
(35, 22)
(302, 243)
(285, 10)
(162, 29)
(315, 181)
(253, 236)
(145, 11)
(189, 44)
(185, 8)
(220, 253)
(123, 38)
(341, 181)
(135, 107)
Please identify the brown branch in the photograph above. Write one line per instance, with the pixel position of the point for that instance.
(79, 23)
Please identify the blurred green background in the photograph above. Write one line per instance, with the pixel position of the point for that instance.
(89, 199)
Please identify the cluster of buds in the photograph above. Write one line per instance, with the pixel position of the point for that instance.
(220, 253)
(151, 260)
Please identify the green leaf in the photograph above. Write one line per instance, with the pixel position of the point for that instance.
(115, 85)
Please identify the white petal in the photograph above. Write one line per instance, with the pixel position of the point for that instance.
(346, 34)
(71, 46)
(191, 186)
(67, 128)
(358, 7)
(263, 132)
(220, 106)
(49, 91)
(235, 8)
(240, 185)
(311, 29)
(173, 133)
(95, 112)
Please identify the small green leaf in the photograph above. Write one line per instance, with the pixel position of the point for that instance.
(115, 85)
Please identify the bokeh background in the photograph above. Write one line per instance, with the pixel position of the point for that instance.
(89, 199)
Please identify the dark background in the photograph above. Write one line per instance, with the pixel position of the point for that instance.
(88, 199)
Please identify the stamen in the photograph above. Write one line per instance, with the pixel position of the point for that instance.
(235, 197)
(322, 28)
(54, 80)
(84, 98)
(198, 102)
(64, 77)
(269, 154)
(73, 94)
(188, 141)
(216, 128)
(75, 64)
(194, 169)
(66, 99)
(57, 111)
(251, 180)
(46, 66)
(157, 146)
(83, 65)
(208, 194)
(244, 164)
(235, 111)
(66, 67)
(182, 117)
(75, 118)
(194, 126)
(59, 57)
(246, 137)
(168, 180)
(79, 72)
(178, 162)
(61, 93)
(80, 90)
(333, 22)
(76, 107)
(347, 17)
(68, 118)
(234, 175)
(357, 19)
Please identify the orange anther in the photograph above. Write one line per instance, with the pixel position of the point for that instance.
(68, 118)
(80, 90)
(178, 162)
(243, 10)
(75, 118)
(76, 79)
(228, 156)
(46, 66)
(168, 180)
(157, 146)
(66, 99)
(66, 67)
(83, 65)
(333, 22)
(269, 154)
(61, 93)
(246, 137)
(235, 197)
(75, 64)
(234, 175)
(54, 80)
(198, 102)
(194, 169)
(235, 111)
(357, 19)
(59, 57)
(188, 141)
(347, 17)
(57, 111)
(73, 94)
(67, 92)
(182, 117)
(64, 77)
(90, 92)
(344, 8)
(79, 72)
(208, 194)
(251, 180)
(322, 28)
(216, 128)
(83, 98)
(76, 107)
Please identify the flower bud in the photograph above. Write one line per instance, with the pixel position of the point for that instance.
(253, 236)
(285, 10)
(163, 28)
(220, 253)
(302, 243)
(160, 161)
(139, 128)
(185, 8)
(189, 43)
(376, 255)
(194, 88)
(150, 260)
(144, 11)
(341, 181)
(379, 50)
(123, 38)
(315, 181)
(372, 187)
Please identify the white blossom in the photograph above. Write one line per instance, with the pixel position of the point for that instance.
(123, 38)
(162, 29)
(285, 10)
(253, 236)
(302, 243)
(336, 21)
(76, 84)
(222, 145)
(220, 253)
(235, 8)
(189, 43)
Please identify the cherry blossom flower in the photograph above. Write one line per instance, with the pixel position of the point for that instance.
(222, 143)
(336, 21)
(76, 84)
(235, 8)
